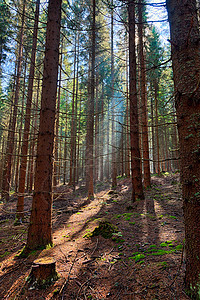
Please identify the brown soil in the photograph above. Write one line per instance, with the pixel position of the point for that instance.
(143, 260)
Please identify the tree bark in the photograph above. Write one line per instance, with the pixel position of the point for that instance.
(20, 132)
(184, 29)
(24, 150)
(102, 135)
(56, 178)
(65, 145)
(11, 133)
(156, 124)
(144, 120)
(40, 228)
(137, 189)
(127, 120)
(72, 141)
(114, 168)
(90, 112)
(153, 137)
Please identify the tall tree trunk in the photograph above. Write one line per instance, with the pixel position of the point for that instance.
(72, 141)
(11, 133)
(65, 146)
(24, 150)
(122, 151)
(96, 155)
(184, 29)
(145, 140)
(33, 141)
(40, 228)
(114, 169)
(127, 120)
(107, 166)
(75, 116)
(137, 189)
(20, 132)
(102, 135)
(56, 163)
(156, 124)
(153, 137)
(78, 145)
(90, 117)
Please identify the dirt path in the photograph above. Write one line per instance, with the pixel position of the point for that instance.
(142, 260)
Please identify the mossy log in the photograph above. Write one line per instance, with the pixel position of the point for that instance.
(43, 272)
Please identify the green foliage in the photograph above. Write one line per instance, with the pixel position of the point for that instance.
(132, 223)
(105, 229)
(137, 257)
(163, 244)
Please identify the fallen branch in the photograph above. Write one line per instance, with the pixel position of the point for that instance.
(68, 277)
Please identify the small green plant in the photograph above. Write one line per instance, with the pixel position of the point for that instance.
(127, 216)
(160, 216)
(87, 235)
(105, 229)
(137, 257)
(152, 248)
(49, 246)
(179, 247)
(162, 252)
(173, 217)
(163, 244)
(132, 223)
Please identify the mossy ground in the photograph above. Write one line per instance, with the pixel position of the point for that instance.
(132, 251)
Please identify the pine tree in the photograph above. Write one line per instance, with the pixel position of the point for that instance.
(137, 189)
(184, 31)
(40, 228)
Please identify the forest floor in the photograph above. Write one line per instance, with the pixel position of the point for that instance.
(143, 258)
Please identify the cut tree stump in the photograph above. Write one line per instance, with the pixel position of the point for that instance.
(43, 272)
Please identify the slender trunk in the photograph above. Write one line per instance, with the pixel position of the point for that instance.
(145, 139)
(11, 133)
(24, 150)
(72, 142)
(2, 159)
(33, 149)
(60, 154)
(56, 163)
(96, 155)
(122, 151)
(137, 189)
(78, 145)
(90, 117)
(65, 146)
(102, 135)
(166, 138)
(153, 137)
(75, 116)
(114, 169)
(127, 121)
(20, 133)
(184, 29)
(156, 123)
(108, 146)
(40, 228)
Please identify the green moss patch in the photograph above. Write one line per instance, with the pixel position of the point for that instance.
(105, 229)
(137, 257)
